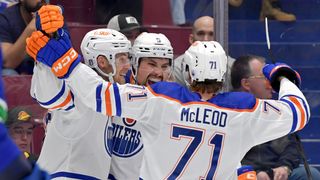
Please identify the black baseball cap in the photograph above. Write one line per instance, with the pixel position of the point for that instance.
(19, 114)
(123, 23)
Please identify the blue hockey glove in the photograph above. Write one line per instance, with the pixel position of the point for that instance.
(273, 71)
(55, 53)
(49, 18)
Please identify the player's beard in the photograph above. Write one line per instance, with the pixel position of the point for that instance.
(32, 9)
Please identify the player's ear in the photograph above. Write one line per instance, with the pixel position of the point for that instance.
(104, 64)
(191, 39)
(245, 84)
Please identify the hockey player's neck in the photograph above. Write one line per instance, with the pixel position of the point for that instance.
(205, 96)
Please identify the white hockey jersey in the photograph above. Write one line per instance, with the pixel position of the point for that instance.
(78, 142)
(186, 137)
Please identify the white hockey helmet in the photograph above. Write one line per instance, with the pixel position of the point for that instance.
(204, 61)
(150, 45)
(106, 42)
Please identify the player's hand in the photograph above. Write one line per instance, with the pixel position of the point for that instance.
(274, 71)
(55, 53)
(49, 18)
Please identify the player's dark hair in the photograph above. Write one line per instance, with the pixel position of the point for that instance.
(208, 86)
(241, 69)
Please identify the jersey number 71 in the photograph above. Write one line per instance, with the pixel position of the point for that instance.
(196, 137)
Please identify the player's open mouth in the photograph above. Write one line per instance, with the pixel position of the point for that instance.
(152, 81)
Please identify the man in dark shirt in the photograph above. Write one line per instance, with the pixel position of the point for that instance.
(16, 24)
(277, 159)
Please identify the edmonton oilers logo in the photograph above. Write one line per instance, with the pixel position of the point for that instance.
(127, 140)
(108, 138)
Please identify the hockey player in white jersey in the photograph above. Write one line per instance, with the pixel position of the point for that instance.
(187, 135)
(153, 59)
(151, 62)
(78, 143)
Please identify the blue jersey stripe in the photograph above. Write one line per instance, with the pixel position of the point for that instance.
(70, 107)
(117, 99)
(72, 175)
(98, 98)
(111, 177)
(294, 111)
(54, 99)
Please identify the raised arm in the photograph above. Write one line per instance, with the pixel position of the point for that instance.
(49, 91)
(288, 114)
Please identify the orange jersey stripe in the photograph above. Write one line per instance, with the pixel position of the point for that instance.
(108, 101)
(303, 115)
(65, 102)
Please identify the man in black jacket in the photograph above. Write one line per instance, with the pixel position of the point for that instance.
(277, 159)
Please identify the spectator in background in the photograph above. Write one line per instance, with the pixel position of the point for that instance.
(185, 12)
(271, 9)
(277, 159)
(127, 25)
(16, 24)
(202, 30)
(20, 124)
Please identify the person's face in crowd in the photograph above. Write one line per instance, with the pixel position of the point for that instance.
(31, 5)
(152, 70)
(202, 30)
(132, 35)
(257, 84)
(122, 66)
(22, 134)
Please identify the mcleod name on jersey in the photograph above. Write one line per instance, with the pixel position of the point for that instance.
(204, 116)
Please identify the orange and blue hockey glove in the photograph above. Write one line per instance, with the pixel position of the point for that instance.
(55, 53)
(273, 71)
(49, 18)
(246, 173)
